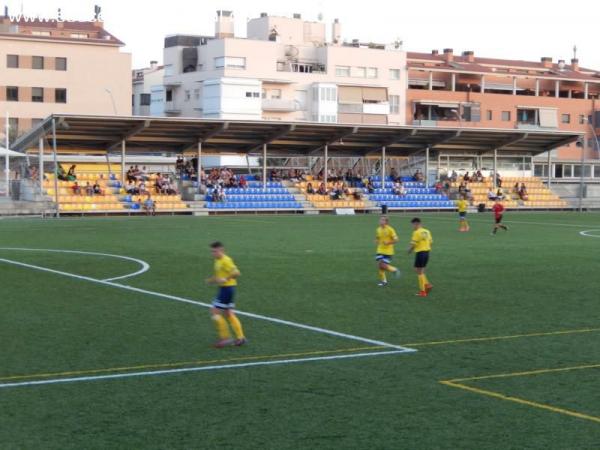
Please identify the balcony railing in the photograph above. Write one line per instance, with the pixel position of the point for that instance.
(278, 104)
(364, 108)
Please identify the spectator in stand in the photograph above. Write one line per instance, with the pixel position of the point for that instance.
(150, 205)
(180, 166)
(500, 194)
(71, 176)
(322, 189)
(369, 185)
(61, 174)
(468, 192)
(462, 188)
(144, 174)
(97, 189)
(130, 175)
(498, 180)
(466, 177)
(131, 188)
(516, 188)
(454, 176)
(447, 186)
(523, 195)
(491, 195)
(243, 182)
(479, 177)
(418, 176)
(394, 174)
(398, 188)
(89, 189)
(76, 188)
(309, 189)
(142, 189)
(439, 187)
(336, 191)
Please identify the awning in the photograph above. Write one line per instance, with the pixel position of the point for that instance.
(374, 94)
(11, 153)
(350, 94)
(501, 87)
(424, 82)
(437, 103)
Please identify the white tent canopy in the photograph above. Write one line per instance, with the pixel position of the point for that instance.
(11, 153)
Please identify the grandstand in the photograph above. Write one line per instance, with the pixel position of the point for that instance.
(96, 135)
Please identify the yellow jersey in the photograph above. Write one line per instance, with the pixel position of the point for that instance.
(422, 240)
(462, 205)
(384, 235)
(224, 268)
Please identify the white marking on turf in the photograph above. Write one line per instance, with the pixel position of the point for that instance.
(207, 305)
(144, 265)
(195, 369)
(587, 233)
(507, 221)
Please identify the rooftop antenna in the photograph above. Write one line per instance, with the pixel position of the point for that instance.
(575, 51)
(320, 17)
(59, 14)
(97, 12)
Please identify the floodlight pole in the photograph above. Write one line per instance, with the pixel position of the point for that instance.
(383, 167)
(581, 178)
(55, 158)
(41, 165)
(325, 166)
(6, 160)
(495, 169)
(549, 168)
(427, 166)
(123, 152)
(199, 167)
(264, 166)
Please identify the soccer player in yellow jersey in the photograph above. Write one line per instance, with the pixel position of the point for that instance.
(462, 206)
(226, 275)
(421, 244)
(385, 238)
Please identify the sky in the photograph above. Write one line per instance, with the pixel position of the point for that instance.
(513, 29)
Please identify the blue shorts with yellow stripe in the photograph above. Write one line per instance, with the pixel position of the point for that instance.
(386, 259)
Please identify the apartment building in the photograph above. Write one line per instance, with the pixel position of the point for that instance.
(448, 89)
(285, 69)
(60, 67)
(143, 82)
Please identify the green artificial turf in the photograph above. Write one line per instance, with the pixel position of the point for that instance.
(540, 277)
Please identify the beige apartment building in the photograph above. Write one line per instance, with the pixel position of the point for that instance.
(285, 69)
(60, 67)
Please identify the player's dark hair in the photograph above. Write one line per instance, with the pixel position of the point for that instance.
(216, 244)
(416, 220)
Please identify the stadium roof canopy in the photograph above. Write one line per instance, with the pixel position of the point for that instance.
(101, 134)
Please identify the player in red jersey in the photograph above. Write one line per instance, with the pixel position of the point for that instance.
(498, 213)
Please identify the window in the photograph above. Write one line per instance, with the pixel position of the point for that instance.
(37, 94)
(60, 95)
(37, 62)
(197, 94)
(489, 114)
(256, 94)
(276, 93)
(40, 33)
(394, 74)
(567, 170)
(61, 64)
(506, 116)
(360, 72)
(79, 36)
(582, 119)
(394, 104)
(36, 122)
(328, 94)
(342, 71)
(169, 96)
(565, 118)
(12, 94)
(187, 95)
(230, 62)
(372, 72)
(145, 99)
(13, 128)
(12, 61)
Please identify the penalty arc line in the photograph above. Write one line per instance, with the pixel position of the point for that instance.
(206, 305)
(195, 369)
(587, 233)
(144, 265)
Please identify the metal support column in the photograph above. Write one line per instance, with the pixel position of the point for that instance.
(41, 165)
(427, 167)
(6, 160)
(453, 82)
(383, 172)
(581, 178)
(325, 166)
(199, 167)
(549, 168)
(495, 169)
(55, 158)
(557, 89)
(123, 150)
(430, 81)
(264, 167)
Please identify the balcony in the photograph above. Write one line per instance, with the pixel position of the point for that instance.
(171, 109)
(301, 67)
(364, 108)
(281, 105)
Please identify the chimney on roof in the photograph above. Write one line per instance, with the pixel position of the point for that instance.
(469, 55)
(435, 52)
(153, 64)
(336, 32)
(547, 61)
(6, 12)
(561, 64)
(263, 14)
(448, 54)
(297, 16)
(575, 64)
(224, 24)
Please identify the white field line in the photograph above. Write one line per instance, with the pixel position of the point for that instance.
(194, 369)
(587, 233)
(491, 221)
(206, 305)
(144, 265)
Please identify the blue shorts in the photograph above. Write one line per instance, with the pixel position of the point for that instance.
(421, 260)
(386, 259)
(224, 299)
(462, 215)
